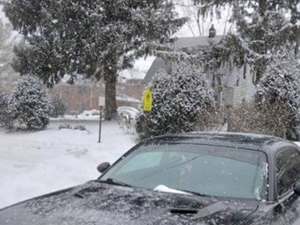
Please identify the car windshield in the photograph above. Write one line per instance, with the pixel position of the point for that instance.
(206, 170)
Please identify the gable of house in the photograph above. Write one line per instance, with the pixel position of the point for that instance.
(187, 43)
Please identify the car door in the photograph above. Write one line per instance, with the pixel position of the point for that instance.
(287, 175)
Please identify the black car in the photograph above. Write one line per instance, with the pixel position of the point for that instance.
(195, 179)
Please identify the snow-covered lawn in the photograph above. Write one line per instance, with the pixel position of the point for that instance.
(33, 164)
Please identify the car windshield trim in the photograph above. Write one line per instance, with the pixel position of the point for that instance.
(114, 182)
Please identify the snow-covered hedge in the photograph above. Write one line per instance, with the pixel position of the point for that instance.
(182, 102)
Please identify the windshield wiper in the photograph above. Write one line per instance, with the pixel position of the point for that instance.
(164, 188)
(114, 182)
(194, 193)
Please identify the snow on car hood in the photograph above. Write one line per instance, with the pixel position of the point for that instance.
(102, 204)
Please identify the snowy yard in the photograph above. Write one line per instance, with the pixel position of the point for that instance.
(33, 164)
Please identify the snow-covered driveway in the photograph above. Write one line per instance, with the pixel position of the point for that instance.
(33, 164)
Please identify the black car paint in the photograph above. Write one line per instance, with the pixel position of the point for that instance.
(100, 204)
(97, 203)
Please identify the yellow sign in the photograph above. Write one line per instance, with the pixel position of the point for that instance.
(148, 100)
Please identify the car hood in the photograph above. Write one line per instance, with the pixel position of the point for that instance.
(97, 203)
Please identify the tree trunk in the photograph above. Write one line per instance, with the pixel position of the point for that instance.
(260, 64)
(110, 93)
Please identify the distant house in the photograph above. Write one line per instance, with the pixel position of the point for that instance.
(232, 85)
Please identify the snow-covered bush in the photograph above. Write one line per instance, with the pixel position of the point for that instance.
(277, 101)
(270, 119)
(59, 108)
(281, 87)
(4, 114)
(29, 105)
(182, 101)
(281, 83)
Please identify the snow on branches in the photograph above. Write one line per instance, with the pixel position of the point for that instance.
(182, 101)
(281, 82)
(92, 39)
(29, 106)
(261, 28)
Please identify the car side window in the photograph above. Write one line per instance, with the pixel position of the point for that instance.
(287, 170)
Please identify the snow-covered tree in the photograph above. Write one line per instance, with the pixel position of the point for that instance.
(261, 28)
(182, 102)
(94, 38)
(29, 106)
(8, 38)
(199, 25)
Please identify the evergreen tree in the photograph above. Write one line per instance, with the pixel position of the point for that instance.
(182, 102)
(28, 106)
(7, 40)
(261, 28)
(95, 38)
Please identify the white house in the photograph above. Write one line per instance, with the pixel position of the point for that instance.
(232, 85)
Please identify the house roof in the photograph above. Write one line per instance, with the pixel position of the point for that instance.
(188, 42)
(158, 64)
(180, 43)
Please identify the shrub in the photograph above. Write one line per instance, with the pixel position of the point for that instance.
(182, 103)
(29, 106)
(5, 119)
(270, 119)
(279, 90)
(277, 100)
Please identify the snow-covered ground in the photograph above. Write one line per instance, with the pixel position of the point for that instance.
(87, 115)
(33, 164)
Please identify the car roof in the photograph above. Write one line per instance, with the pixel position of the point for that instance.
(265, 143)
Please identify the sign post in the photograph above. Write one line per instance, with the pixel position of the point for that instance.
(101, 108)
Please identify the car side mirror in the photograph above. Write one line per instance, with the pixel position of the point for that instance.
(297, 189)
(103, 167)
